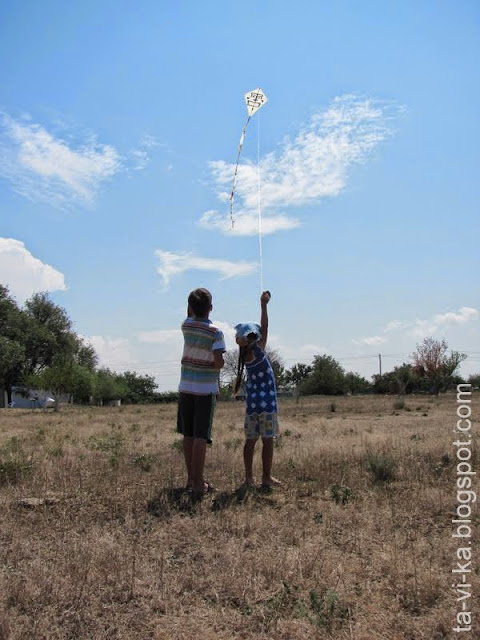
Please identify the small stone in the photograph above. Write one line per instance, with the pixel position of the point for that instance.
(33, 503)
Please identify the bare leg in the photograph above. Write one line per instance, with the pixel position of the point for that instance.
(267, 461)
(248, 451)
(187, 452)
(199, 450)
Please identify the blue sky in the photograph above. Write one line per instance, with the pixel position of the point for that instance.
(119, 126)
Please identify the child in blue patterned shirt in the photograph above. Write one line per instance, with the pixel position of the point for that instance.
(260, 394)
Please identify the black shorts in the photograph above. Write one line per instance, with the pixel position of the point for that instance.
(195, 415)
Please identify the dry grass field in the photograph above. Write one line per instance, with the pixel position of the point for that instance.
(356, 544)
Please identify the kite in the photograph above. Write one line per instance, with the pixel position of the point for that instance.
(254, 100)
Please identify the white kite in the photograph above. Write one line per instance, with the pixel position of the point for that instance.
(254, 100)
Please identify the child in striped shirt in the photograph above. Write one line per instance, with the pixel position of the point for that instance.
(202, 360)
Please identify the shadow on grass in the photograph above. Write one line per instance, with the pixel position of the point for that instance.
(242, 495)
(167, 501)
(181, 500)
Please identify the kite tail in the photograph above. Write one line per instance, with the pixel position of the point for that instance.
(242, 138)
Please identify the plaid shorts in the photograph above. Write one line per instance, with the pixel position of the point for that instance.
(264, 425)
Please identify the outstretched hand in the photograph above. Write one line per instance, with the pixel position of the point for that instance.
(265, 297)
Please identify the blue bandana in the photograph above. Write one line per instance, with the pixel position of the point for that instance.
(243, 329)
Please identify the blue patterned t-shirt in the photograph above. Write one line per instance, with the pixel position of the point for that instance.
(261, 394)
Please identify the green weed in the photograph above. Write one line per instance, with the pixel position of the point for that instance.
(382, 469)
(341, 494)
(15, 464)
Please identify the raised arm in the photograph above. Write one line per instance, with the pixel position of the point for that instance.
(264, 300)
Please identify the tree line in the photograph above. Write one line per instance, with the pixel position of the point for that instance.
(433, 369)
(39, 349)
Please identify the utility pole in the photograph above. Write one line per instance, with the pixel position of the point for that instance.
(380, 363)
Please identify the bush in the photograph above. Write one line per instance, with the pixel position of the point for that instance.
(110, 442)
(165, 397)
(382, 469)
(14, 463)
(340, 494)
(144, 461)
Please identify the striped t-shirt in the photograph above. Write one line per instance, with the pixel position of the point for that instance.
(199, 374)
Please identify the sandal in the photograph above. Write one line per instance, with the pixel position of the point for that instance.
(209, 488)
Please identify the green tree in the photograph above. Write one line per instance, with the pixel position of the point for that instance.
(383, 383)
(433, 362)
(49, 336)
(474, 379)
(12, 357)
(355, 383)
(404, 377)
(327, 377)
(278, 366)
(39, 348)
(297, 374)
(58, 378)
(12, 343)
(109, 386)
(83, 388)
(295, 377)
(85, 355)
(70, 372)
(138, 389)
(57, 360)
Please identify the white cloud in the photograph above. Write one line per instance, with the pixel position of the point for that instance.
(307, 169)
(247, 224)
(114, 353)
(160, 336)
(394, 325)
(440, 321)
(228, 332)
(174, 263)
(140, 159)
(421, 328)
(464, 315)
(313, 349)
(23, 273)
(148, 141)
(370, 341)
(45, 168)
(294, 353)
(141, 155)
(174, 337)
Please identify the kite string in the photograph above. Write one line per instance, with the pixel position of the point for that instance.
(260, 247)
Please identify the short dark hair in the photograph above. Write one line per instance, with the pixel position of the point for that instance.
(200, 301)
